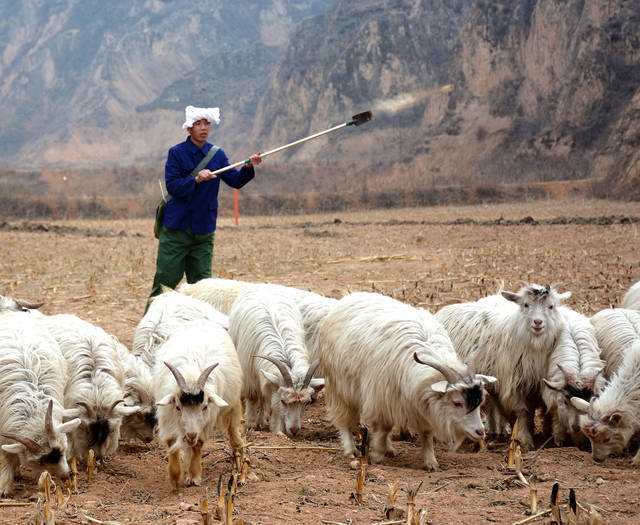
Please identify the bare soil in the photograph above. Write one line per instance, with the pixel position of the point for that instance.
(102, 272)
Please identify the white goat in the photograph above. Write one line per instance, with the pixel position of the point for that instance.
(197, 384)
(266, 327)
(138, 388)
(313, 309)
(574, 370)
(510, 337)
(613, 418)
(168, 312)
(95, 384)
(631, 299)
(616, 329)
(373, 350)
(220, 293)
(32, 375)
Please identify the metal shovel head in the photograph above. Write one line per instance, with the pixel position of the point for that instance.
(360, 118)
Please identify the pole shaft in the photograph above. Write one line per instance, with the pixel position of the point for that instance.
(281, 148)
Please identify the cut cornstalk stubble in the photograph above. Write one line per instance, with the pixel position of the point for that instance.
(391, 512)
(43, 508)
(517, 459)
(204, 508)
(219, 513)
(91, 465)
(74, 475)
(556, 516)
(411, 504)
(513, 443)
(533, 493)
(357, 495)
(573, 508)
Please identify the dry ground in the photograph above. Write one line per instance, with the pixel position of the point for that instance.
(102, 271)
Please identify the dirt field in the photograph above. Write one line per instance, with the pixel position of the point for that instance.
(102, 271)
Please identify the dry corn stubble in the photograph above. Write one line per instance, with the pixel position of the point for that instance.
(451, 263)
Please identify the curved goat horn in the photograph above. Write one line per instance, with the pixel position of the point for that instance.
(204, 376)
(48, 423)
(179, 377)
(29, 443)
(568, 376)
(310, 372)
(592, 382)
(88, 408)
(449, 373)
(286, 376)
(27, 304)
(110, 411)
(144, 396)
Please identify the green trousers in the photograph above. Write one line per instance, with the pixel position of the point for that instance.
(179, 253)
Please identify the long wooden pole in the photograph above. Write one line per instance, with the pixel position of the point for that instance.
(356, 120)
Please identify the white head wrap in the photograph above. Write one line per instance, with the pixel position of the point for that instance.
(193, 114)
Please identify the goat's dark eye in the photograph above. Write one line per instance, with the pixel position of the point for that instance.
(550, 307)
(526, 305)
(458, 404)
(204, 408)
(178, 408)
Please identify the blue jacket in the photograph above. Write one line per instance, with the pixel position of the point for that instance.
(196, 205)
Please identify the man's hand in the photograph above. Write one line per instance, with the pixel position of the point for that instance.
(254, 160)
(205, 175)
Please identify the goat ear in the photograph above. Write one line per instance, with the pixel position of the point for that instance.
(486, 379)
(69, 426)
(615, 419)
(564, 296)
(272, 378)
(166, 400)
(580, 404)
(218, 401)
(317, 384)
(510, 296)
(14, 448)
(440, 386)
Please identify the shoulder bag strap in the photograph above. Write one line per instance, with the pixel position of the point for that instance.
(201, 164)
(205, 161)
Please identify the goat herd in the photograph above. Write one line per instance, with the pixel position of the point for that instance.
(66, 386)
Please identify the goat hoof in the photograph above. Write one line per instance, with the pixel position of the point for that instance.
(430, 467)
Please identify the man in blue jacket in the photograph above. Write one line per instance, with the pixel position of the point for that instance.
(186, 235)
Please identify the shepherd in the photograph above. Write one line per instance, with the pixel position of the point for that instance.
(186, 235)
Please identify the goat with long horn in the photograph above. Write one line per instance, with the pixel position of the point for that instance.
(266, 325)
(195, 396)
(32, 381)
(368, 346)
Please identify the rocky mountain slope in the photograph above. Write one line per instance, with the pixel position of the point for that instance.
(463, 91)
(543, 90)
(79, 76)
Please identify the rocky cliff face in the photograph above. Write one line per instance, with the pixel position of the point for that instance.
(543, 89)
(463, 91)
(79, 76)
